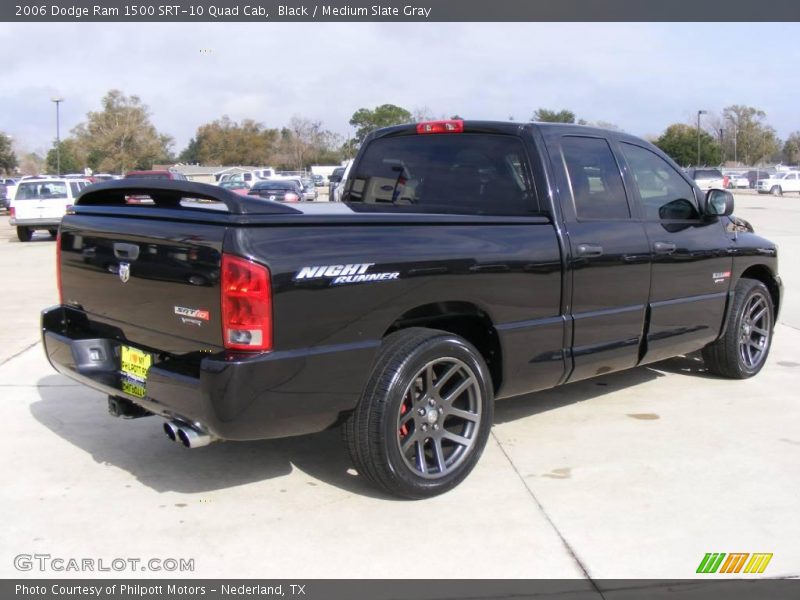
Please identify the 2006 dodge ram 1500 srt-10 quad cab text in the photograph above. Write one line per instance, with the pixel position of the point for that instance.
(469, 261)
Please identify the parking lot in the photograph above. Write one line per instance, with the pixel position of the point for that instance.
(631, 475)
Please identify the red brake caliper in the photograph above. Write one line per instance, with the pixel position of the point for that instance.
(403, 428)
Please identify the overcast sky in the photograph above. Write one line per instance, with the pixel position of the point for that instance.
(640, 76)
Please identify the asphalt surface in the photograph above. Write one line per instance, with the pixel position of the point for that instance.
(634, 474)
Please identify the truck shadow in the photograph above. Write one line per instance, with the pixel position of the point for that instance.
(140, 447)
(588, 389)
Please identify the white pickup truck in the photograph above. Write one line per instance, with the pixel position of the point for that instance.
(778, 183)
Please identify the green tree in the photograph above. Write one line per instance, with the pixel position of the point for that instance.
(679, 141)
(791, 149)
(121, 137)
(551, 116)
(366, 120)
(8, 159)
(73, 160)
(755, 139)
(227, 142)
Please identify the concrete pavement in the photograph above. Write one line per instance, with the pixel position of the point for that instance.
(634, 474)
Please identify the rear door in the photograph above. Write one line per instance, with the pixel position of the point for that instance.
(609, 262)
(691, 259)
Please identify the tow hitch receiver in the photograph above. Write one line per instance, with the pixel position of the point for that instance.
(121, 407)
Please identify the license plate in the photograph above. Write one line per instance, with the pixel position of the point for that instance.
(135, 364)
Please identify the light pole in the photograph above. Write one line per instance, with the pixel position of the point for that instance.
(58, 100)
(699, 112)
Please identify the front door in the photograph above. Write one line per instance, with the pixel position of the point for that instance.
(692, 263)
(609, 262)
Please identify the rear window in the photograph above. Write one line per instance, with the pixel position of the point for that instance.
(456, 174)
(707, 174)
(42, 190)
(274, 185)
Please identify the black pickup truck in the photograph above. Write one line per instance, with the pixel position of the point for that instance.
(470, 261)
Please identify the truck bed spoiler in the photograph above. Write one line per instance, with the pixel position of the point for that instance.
(169, 194)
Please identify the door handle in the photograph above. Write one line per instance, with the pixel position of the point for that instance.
(589, 250)
(664, 247)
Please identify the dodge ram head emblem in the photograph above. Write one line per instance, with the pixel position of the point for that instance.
(124, 272)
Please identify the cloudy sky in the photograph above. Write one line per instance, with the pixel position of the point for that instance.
(640, 76)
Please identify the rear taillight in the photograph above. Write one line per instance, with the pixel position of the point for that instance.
(450, 126)
(291, 197)
(58, 268)
(246, 305)
(12, 211)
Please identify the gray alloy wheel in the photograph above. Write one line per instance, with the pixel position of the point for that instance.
(755, 330)
(439, 417)
(424, 416)
(742, 350)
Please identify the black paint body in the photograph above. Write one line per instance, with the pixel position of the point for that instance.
(516, 287)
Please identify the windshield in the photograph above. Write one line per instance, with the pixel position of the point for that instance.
(43, 190)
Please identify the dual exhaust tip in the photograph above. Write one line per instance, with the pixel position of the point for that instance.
(188, 436)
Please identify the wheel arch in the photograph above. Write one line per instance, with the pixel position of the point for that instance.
(463, 319)
(765, 275)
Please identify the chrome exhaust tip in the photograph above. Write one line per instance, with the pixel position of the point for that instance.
(193, 438)
(171, 429)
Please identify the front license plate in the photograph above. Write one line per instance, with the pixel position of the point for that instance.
(134, 363)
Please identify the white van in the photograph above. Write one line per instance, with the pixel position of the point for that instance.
(41, 203)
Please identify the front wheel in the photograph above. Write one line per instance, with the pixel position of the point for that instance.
(776, 190)
(24, 234)
(425, 414)
(743, 350)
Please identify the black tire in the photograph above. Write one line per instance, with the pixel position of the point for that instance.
(776, 190)
(445, 442)
(24, 234)
(743, 350)
(53, 232)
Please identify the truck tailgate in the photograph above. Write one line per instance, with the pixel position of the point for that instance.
(158, 286)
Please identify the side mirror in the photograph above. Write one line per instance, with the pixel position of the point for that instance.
(719, 203)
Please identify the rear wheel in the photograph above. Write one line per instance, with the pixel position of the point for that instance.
(53, 232)
(24, 234)
(743, 350)
(425, 414)
(776, 190)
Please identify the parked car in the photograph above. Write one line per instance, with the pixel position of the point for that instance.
(171, 175)
(5, 201)
(319, 180)
(755, 174)
(337, 191)
(779, 183)
(309, 189)
(737, 181)
(250, 178)
(468, 262)
(707, 178)
(278, 190)
(333, 180)
(235, 185)
(42, 203)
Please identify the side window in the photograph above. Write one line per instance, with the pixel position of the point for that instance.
(665, 194)
(594, 177)
(75, 188)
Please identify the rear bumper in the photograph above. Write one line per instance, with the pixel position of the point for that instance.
(43, 223)
(232, 396)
